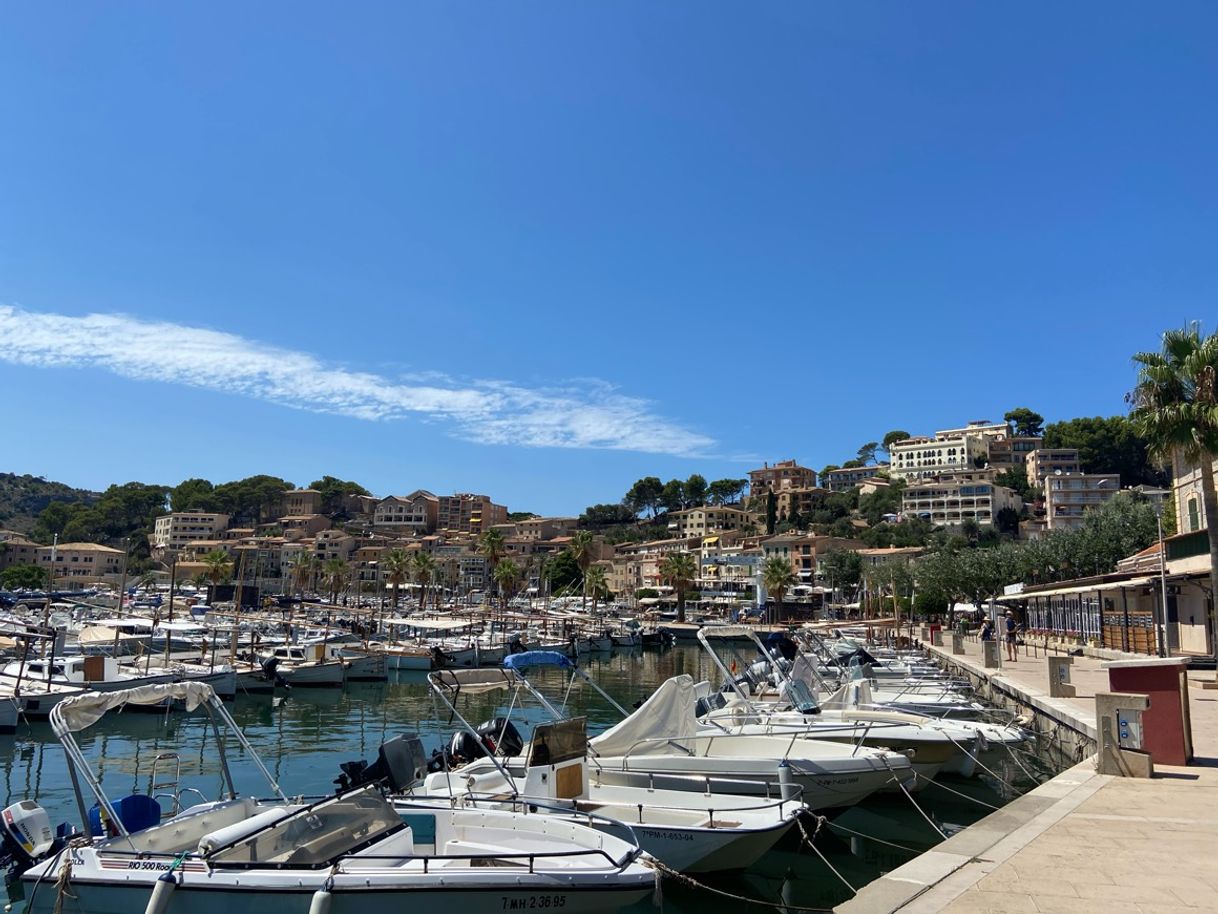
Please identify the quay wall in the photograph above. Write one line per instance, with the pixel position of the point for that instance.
(1068, 732)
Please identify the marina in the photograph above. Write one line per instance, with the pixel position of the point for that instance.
(304, 735)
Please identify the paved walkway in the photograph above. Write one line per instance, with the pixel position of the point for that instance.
(1081, 842)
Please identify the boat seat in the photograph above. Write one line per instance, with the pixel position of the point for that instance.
(400, 845)
(182, 832)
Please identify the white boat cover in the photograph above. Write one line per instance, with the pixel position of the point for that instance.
(473, 681)
(100, 634)
(854, 694)
(83, 711)
(667, 714)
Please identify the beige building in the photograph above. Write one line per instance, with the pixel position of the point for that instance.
(175, 531)
(546, 528)
(799, 500)
(874, 558)
(416, 513)
(844, 480)
(805, 551)
(1007, 451)
(1046, 461)
(953, 498)
(1186, 489)
(1068, 496)
(786, 474)
(81, 561)
(301, 501)
(467, 513)
(17, 549)
(950, 450)
(700, 522)
(333, 544)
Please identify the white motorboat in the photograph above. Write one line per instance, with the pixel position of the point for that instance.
(663, 739)
(307, 666)
(550, 773)
(351, 853)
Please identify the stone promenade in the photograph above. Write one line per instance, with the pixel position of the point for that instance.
(1081, 842)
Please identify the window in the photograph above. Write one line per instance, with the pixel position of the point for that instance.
(1194, 520)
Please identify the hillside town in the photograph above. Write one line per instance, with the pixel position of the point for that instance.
(994, 481)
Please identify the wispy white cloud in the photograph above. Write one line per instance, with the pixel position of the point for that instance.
(589, 414)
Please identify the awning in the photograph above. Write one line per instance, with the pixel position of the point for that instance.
(1081, 588)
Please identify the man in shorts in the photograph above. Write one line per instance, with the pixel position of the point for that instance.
(1010, 630)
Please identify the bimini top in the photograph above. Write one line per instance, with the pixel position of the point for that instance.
(82, 711)
(526, 659)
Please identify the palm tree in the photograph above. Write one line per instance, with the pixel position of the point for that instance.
(581, 548)
(507, 576)
(778, 577)
(678, 570)
(596, 584)
(1175, 408)
(304, 571)
(424, 568)
(219, 566)
(492, 548)
(396, 568)
(334, 573)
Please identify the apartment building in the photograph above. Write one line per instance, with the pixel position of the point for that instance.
(416, 513)
(545, 528)
(1068, 496)
(333, 544)
(175, 531)
(953, 498)
(1007, 451)
(467, 513)
(1046, 461)
(874, 558)
(699, 522)
(301, 501)
(805, 551)
(786, 474)
(799, 501)
(17, 549)
(86, 561)
(844, 480)
(950, 450)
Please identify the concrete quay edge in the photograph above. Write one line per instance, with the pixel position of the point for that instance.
(934, 879)
(1059, 709)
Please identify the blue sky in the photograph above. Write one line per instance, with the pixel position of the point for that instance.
(539, 250)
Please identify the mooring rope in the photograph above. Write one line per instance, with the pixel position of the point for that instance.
(811, 842)
(859, 834)
(909, 796)
(964, 795)
(695, 884)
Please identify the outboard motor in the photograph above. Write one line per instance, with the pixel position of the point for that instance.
(516, 645)
(25, 835)
(270, 668)
(501, 737)
(782, 645)
(400, 763)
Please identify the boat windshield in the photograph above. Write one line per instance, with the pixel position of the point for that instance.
(317, 835)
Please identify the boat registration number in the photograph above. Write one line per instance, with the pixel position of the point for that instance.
(533, 902)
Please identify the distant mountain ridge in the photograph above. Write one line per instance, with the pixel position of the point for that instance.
(22, 498)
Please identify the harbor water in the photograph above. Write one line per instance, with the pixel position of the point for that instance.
(305, 734)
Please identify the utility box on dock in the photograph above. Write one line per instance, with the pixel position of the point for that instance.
(936, 636)
(957, 643)
(1167, 726)
(1059, 677)
(1120, 718)
(989, 651)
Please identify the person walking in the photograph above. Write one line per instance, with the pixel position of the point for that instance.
(1011, 631)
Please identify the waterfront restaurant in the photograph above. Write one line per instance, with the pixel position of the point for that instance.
(1124, 610)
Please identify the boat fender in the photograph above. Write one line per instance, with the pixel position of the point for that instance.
(162, 892)
(322, 897)
(786, 786)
